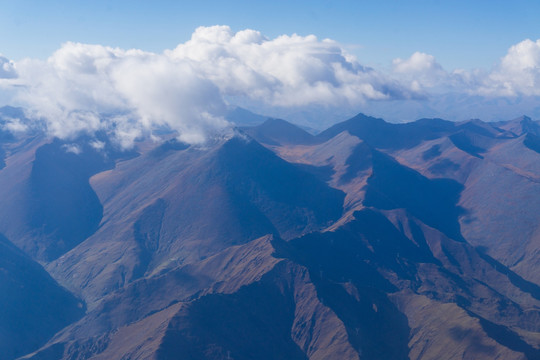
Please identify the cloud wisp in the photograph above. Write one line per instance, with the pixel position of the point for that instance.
(7, 68)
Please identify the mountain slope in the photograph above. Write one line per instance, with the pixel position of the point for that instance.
(369, 241)
(33, 307)
(190, 204)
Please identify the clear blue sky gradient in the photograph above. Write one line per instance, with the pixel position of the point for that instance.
(460, 34)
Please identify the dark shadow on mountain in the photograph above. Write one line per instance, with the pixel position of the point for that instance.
(323, 173)
(443, 166)
(359, 160)
(2, 157)
(288, 196)
(253, 323)
(532, 142)
(506, 337)
(478, 127)
(524, 285)
(432, 152)
(434, 202)
(461, 334)
(530, 126)
(167, 147)
(521, 125)
(33, 307)
(464, 142)
(279, 132)
(380, 134)
(371, 320)
(65, 209)
(354, 253)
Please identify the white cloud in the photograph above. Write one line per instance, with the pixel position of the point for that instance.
(286, 71)
(98, 145)
(421, 71)
(517, 74)
(72, 148)
(128, 93)
(14, 125)
(7, 68)
(423, 74)
(169, 92)
(86, 88)
(418, 63)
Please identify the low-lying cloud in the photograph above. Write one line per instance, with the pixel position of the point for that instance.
(516, 74)
(89, 88)
(85, 88)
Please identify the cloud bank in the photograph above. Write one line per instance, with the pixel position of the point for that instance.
(516, 74)
(89, 88)
(128, 93)
(85, 88)
(285, 71)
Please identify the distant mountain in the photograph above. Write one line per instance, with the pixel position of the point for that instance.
(521, 125)
(242, 117)
(279, 132)
(381, 134)
(370, 240)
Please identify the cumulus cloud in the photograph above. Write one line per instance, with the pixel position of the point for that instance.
(421, 71)
(85, 88)
(517, 74)
(89, 88)
(14, 125)
(418, 63)
(285, 71)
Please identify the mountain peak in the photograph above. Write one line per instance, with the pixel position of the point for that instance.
(279, 132)
(521, 125)
(381, 134)
(242, 117)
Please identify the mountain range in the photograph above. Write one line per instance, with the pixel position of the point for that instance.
(369, 240)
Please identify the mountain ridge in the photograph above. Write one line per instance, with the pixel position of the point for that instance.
(369, 240)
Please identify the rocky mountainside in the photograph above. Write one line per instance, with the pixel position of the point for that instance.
(369, 240)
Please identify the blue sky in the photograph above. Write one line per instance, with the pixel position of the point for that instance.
(460, 34)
